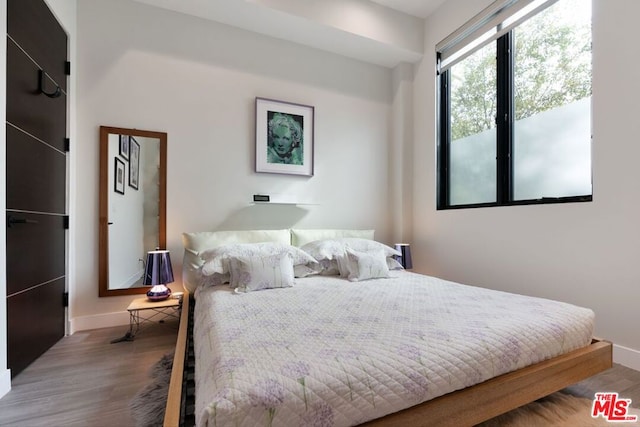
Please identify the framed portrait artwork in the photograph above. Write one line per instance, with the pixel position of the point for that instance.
(284, 137)
(134, 163)
(118, 176)
(124, 146)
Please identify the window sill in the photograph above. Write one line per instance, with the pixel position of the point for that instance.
(541, 201)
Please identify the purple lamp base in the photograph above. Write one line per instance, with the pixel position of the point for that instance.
(158, 293)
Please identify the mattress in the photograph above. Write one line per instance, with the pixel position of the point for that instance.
(329, 352)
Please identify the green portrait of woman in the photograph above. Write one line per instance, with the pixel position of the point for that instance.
(284, 144)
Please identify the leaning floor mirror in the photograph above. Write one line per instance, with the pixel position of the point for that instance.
(133, 180)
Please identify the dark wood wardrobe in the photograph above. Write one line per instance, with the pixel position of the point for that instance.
(37, 147)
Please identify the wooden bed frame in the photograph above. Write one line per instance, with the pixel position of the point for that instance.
(465, 407)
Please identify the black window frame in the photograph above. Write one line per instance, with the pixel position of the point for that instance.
(505, 116)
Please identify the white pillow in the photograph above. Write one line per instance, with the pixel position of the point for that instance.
(331, 252)
(250, 274)
(215, 279)
(342, 269)
(321, 250)
(332, 248)
(366, 265)
(394, 264)
(306, 270)
(216, 260)
(329, 267)
(196, 242)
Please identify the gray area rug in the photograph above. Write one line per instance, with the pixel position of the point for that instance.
(556, 410)
(148, 405)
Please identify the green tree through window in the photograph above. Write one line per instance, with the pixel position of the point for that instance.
(551, 57)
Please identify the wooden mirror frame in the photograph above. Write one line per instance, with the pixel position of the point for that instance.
(106, 186)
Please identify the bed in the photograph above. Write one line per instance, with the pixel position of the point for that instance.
(406, 349)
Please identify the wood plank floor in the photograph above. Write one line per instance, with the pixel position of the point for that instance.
(624, 380)
(86, 381)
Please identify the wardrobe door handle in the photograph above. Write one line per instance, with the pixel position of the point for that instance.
(41, 83)
(11, 220)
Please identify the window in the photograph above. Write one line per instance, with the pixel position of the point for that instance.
(515, 106)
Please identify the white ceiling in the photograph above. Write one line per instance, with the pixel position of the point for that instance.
(419, 8)
(393, 32)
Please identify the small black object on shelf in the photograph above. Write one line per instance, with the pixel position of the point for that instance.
(261, 198)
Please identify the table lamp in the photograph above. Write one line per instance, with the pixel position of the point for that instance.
(157, 274)
(405, 257)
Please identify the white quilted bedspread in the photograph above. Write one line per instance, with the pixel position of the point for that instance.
(329, 352)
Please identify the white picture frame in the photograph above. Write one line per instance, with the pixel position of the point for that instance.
(284, 137)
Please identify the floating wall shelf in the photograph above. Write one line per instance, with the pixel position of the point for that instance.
(278, 199)
(284, 203)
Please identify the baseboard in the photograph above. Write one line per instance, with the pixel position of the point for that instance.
(97, 321)
(5, 382)
(626, 356)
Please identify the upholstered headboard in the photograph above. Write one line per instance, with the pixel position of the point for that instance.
(196, 242)
(302, 237)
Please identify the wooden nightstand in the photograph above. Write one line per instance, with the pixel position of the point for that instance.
(141, 311)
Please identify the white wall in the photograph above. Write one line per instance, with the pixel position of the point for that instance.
(153, 69)
(65, 12)
(583, 253)
(401, 152)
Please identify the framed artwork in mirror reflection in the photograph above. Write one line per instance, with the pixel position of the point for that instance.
(124, 146)
(134, 163)
(118, 176)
